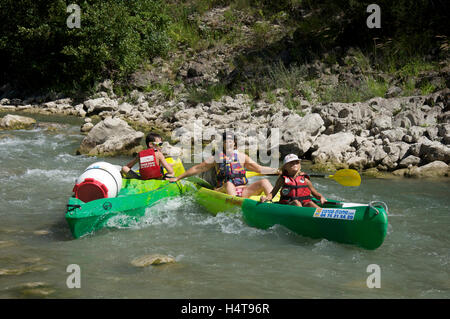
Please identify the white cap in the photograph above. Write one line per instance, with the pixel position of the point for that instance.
(290, 158)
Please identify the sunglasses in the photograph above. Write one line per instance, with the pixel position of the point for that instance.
(159, 143)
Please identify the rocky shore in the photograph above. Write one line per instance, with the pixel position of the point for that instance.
(405, 132)
(408, 136)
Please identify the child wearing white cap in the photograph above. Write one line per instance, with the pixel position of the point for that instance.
(296, 188)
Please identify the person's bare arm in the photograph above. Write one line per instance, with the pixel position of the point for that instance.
(167, 166)
(132, 163)
(315, 192)
(275, 189)
(195, 170)
(251, 165)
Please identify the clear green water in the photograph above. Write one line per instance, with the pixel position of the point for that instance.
(217, 257)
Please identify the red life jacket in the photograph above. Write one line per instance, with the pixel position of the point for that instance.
(295, 189)
(148, 165)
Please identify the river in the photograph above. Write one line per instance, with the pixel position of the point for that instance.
(216, 257)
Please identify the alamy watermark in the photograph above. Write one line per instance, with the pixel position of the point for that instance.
(74, 19)
(74, 279)
(373, 20)
(374, 279)
(198, 143)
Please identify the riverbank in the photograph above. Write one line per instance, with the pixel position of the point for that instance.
(343, 108)
(404, 136)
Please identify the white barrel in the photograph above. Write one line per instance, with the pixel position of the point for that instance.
(99, 180)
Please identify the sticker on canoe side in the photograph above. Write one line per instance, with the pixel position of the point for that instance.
(335, 213)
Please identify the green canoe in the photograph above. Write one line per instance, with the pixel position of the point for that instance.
(364, 225)
(132, 201)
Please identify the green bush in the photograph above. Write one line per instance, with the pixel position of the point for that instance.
(212, 92)
(408, 28)
(114, 38)
(377, 88)
(345, 93)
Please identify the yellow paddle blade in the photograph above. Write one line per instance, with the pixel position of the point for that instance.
(347, 177)
(177, 166)
(258, 197)
(249, 174)
(252, 174)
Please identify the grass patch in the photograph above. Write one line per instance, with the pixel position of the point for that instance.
(187, 29)
(427, 88)
(287, 78)
(261, 31)
(359, 60)
(165, 88)
(414, 67)
(212, 92)
(377, 88)
(185, 33)
(345, 93)
(184, 30)
(409, 86)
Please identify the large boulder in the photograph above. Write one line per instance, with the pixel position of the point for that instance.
(298, 133)
(284, 119)
(414, 113)
(16, 122)
(125, 108)
(397, 150)
(339, 117)
(112, 136)
(189, 115)
(377, 154)
(409, 161)
(153, 260)
(357, 162)
(435, 151)
(171, 150)
(413, 134)
(238, 103)
(95, 106)
(332, 148)
(311, 124)
(393, 135)
(381, 123)
(434, 169)
(443, 129)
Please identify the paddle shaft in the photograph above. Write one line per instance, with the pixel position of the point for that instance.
(318, 175)
(346, 177)
(274, 174)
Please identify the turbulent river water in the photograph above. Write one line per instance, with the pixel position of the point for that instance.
(216, 257)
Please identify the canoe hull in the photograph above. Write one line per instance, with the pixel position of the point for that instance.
(132, 202)
(359, 225)
(349, 223)
(216, 202)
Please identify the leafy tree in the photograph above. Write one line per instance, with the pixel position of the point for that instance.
(115, 36)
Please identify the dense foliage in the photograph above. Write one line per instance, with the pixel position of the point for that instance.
(114, 37)
(38, 50)
(412, 40)
(407, 27)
